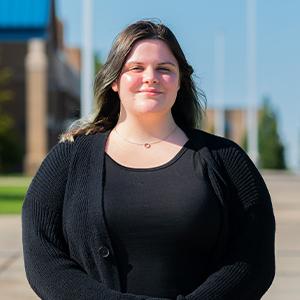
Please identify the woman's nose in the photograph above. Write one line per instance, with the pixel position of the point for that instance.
(150, 76)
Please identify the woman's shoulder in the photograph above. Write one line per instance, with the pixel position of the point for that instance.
(60, 153)
(79, 141)
(59, 158)
(220, 149)
(211, 141)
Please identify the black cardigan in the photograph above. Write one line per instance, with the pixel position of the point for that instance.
(68, 253)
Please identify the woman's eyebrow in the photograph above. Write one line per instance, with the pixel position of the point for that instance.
(134, 63)
(141, 63)
(167, 63)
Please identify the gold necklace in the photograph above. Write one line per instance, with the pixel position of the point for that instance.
(146, 145)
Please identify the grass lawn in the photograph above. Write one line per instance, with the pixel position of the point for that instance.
(12, 192)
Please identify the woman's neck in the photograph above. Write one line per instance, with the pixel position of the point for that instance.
(146, 129)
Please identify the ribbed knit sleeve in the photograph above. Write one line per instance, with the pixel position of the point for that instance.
(52, 274)
(248, 267)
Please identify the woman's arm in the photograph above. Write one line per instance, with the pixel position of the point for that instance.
(50, 271)
(248, 267)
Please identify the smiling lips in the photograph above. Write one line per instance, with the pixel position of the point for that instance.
(150, 91)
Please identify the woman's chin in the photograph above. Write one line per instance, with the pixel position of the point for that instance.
(150, 107)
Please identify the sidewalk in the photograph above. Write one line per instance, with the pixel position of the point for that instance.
(13, 284)
(285, 192)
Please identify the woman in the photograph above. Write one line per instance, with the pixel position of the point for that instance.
(138, 204)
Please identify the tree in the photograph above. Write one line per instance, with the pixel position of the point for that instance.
(270, 147)
(97, 63)
(6, 121)
(10, 150)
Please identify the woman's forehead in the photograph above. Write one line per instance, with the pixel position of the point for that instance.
(149, 50)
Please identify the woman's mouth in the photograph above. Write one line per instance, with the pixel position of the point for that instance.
(151, 92)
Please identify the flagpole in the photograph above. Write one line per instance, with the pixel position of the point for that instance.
(219, 117)
(252, 126)
(87, 64)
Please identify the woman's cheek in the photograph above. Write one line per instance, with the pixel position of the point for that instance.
(170, 79)
(130, 79)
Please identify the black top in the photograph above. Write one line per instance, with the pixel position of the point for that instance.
(164, 222)
(68, 252)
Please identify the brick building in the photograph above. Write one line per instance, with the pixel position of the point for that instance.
(45, 80)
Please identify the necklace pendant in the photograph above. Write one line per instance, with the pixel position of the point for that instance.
(147, 145)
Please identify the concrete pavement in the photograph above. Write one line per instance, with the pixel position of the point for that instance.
(285, 192)
(13, 284)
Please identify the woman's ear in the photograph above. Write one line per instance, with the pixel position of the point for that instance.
(115, 87)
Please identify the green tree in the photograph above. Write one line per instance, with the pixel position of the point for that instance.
(270, 147)
(97, 63)
(6, 121)
(10, 150)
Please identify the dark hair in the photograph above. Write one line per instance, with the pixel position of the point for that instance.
(187, 110)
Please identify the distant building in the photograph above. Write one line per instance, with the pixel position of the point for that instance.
(235, 124)
(46, 76)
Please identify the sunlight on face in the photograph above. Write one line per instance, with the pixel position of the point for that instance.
(149, 80)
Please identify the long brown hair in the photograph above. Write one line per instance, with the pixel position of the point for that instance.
(189, 105)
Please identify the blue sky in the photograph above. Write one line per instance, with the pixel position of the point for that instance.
(196, 24)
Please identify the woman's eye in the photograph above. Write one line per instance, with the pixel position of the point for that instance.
(135, 68)
(164, 69)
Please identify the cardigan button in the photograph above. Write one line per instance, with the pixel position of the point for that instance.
(103, 251)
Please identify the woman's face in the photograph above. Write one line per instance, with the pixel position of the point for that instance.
(149, 80)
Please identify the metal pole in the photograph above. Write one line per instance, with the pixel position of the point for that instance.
(298, 154)
(219, 85)
(252, 127)
(87, 61)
